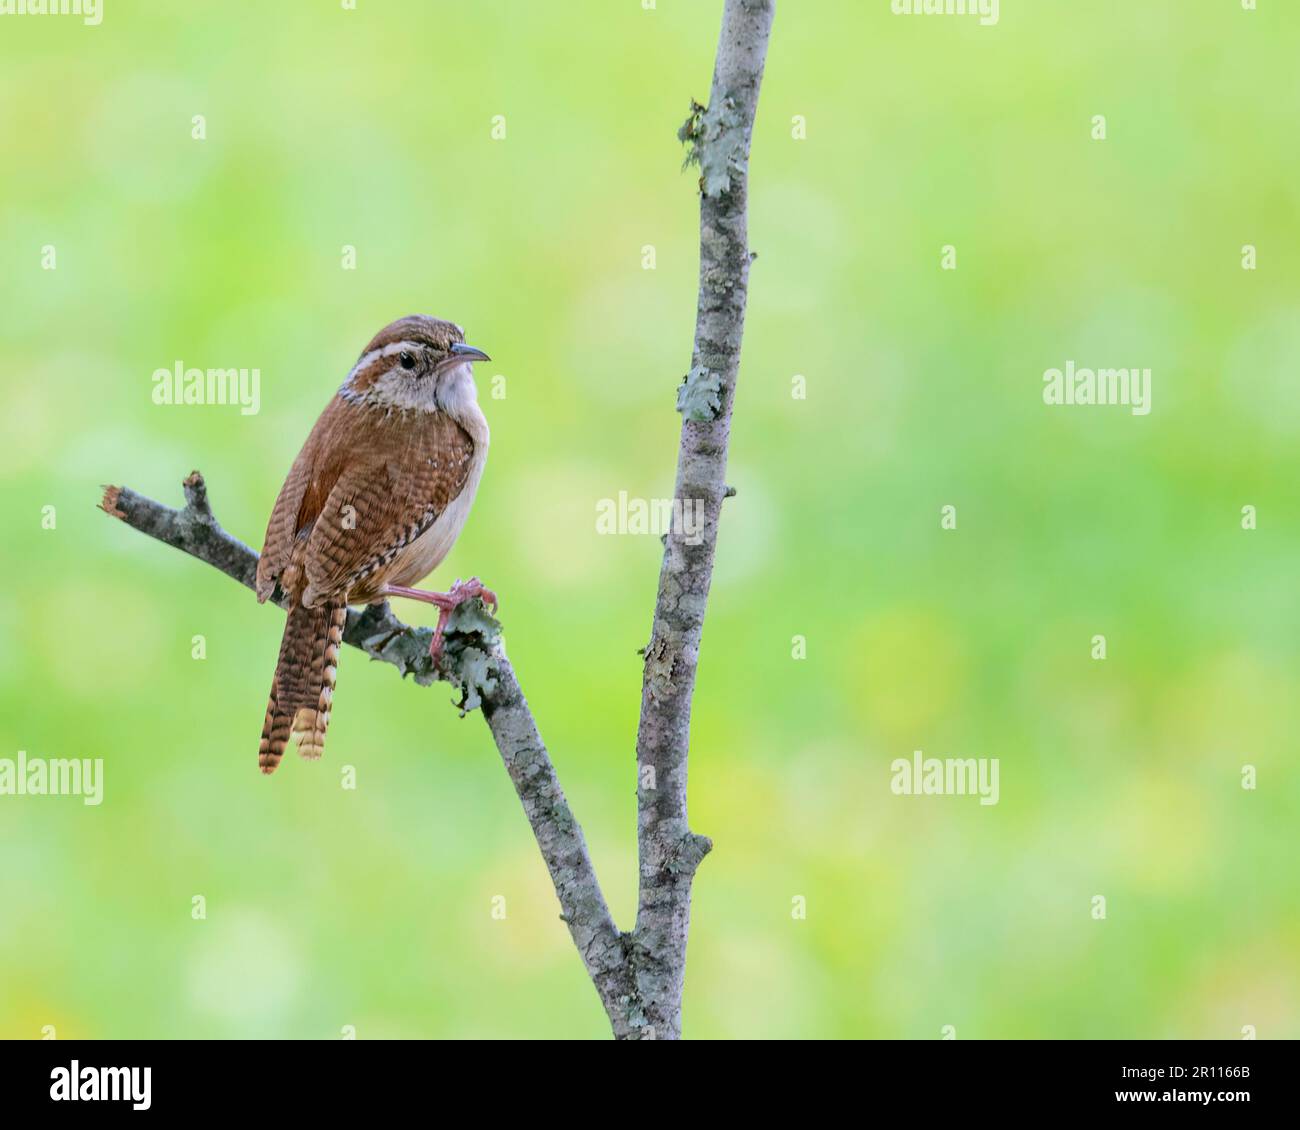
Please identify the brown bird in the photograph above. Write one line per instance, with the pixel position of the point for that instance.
(373, 503)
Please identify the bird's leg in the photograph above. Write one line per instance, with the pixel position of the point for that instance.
(441, 599)
(446, 603)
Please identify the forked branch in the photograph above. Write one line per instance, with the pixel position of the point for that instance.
(639, 975)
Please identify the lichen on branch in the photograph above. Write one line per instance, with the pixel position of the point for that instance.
(716, 137)
(699, 397)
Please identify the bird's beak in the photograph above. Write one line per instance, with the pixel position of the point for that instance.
(468, 353)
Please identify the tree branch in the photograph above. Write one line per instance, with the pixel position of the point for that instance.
(473, 660)
(670, 852)
(639, 976)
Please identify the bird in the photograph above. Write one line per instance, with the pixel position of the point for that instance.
(372, 504)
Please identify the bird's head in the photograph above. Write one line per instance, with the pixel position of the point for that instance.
(416, 362)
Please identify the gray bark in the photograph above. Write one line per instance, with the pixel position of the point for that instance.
(639, 976)
(669, 851)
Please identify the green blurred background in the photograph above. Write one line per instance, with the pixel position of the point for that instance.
(372, 128)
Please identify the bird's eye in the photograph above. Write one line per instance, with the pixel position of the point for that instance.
(407, 360)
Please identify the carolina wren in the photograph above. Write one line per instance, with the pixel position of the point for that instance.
(373, 503)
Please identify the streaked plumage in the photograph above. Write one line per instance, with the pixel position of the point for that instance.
(376, 497)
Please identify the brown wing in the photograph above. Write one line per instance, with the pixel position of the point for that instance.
(403, 470)
(289, 513)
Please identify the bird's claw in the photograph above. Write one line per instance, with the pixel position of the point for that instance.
(460, 592)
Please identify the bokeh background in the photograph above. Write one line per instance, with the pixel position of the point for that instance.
(373, 128)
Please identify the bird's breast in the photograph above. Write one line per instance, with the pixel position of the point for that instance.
(421, 557)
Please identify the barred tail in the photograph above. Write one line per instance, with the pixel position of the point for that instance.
(303, 686)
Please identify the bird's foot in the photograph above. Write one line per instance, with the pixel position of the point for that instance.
(446, 603)
(462, 591)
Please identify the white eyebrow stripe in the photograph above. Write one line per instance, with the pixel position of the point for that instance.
(374, 354)
(365, 360)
